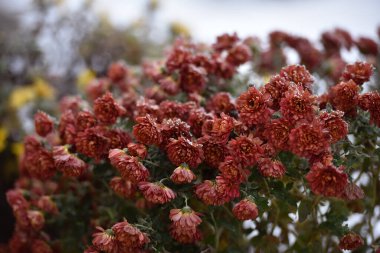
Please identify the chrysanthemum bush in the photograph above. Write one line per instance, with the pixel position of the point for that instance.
(175, 155)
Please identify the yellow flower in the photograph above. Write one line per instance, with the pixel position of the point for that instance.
(3, 138)
(84, 78)
(177, 28)
(21, 96)
(17, 148)
(43, 89)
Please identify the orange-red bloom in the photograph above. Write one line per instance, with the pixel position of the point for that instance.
(43, 123)
(327, 180)
(271, 168)
(107, 110)
(67, 163)
(350, 241)
(147, 131)
(182, 174)
(129, 166)
(129, 236)
(183, 150)
(359, 72)
(246, 150)
(334, 123)
(156, 193)
(246, 209)
(252, 107)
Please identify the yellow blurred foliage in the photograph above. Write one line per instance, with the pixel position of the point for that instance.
(22, 95)
(17, 148)
(179, 29)
(84, 78)
(3, 138)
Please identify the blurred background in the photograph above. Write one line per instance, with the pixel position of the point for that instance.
(50, 48)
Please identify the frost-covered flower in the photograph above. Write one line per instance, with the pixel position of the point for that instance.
(107, 110)
(277, 133)
(157, 192)
(327, 180)
(129, 236)
(252, 107)
(350, 241)
(359, 72)
(232, 170)
(105, 240)
(246, 209)
(334, 123)
(271, 168)
(129, 166)
(183, 150)
(344, 97)
(309, 139)
(299, 75)
(246, 150)
(147, 131)
(67, 163)
(182, 175)
(43, 123)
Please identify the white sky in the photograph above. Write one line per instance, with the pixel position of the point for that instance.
(208, 18)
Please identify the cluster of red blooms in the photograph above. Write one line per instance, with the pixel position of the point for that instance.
(231, 136)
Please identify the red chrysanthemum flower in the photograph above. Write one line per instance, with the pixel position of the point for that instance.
(129, 166)
(371, 102)
(359, 72)
(271, 168)
(16, 200)
(38, 161)
(173, 128)
(221, 102)
(233, 171)
(328, 180)
(367, 46)
(214, 153)
(226, 190)
(185, 235)
(107, 110)
(344, 97)
(225, 41)
(178, 56)
(297, 104)
(172, 109)
(93, 143)
(246, 150)
(309, 139)
(157, 192)
(239, 54)
(118, 138)
(277, 133)
(196, 119)
(246, 209)
(122, 187)
(129, 236)
(105, 240)
(207, 192)
(67, 163)
(185, 217)
(218, 130)
(276, 88)
(334, 123)
(182, 175)
(84, 120)
(46, 204)
(97, 88)
(352, 192)
(137, 149)
(117, 71)
(40, 246)
(252, 107)
(299, 75)
(350, 241)
(66, 128)
(43, 123)
(192, 78)
(324, 158)
(169, 85)
(36, 219)
(183, 150)
(147, 131)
